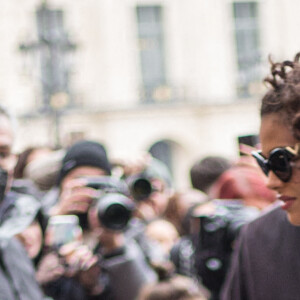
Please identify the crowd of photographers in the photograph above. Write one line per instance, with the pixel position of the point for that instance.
(75, 225)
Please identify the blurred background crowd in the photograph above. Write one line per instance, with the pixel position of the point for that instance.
(95, 228)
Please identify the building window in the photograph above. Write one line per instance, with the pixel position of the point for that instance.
(151, 48)
(247, 46)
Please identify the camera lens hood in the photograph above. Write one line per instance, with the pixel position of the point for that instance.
(114, 211)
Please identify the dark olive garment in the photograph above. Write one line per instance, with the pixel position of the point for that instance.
(266, 261)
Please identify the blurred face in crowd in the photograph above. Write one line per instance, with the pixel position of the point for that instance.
(82, 171)
(38, 153)
(156, 203)
(160, 197)
(32, 238)
(6, 142)
(164, 233)
(274, 133)
(7, 159)
(76, 196)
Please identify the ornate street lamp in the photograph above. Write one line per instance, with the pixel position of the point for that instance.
(52, 50)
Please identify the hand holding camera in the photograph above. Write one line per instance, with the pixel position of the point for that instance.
(68, 256)
(76, 197)
(77, 257)
(83, 265)
(49, 269)
(72, 260)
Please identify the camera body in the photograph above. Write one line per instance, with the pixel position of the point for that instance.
(114, 207)
(215, 239)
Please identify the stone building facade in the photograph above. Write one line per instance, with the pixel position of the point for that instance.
(179, 78)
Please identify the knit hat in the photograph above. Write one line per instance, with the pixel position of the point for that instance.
(84, 153)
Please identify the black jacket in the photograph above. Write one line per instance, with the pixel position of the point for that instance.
(266, 263)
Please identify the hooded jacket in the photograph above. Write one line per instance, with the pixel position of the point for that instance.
(17, 275)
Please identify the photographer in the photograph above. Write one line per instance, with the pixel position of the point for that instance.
(17, 279)
(150, 185)
(116, 255)
(120, 256)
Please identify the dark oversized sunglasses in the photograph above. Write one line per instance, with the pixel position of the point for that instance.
(279, 161)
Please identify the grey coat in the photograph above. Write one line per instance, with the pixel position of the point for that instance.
(17, 274)
(17, 281)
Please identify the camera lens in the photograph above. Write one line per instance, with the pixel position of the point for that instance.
(141, 189)
(116, 217)
(114, 211)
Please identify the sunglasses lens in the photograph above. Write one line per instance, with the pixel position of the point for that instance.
(280, 165)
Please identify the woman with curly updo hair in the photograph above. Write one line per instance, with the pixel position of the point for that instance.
(266, 262)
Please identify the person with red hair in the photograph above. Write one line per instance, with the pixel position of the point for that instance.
(246, 183)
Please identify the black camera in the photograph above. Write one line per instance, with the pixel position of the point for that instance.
(114, 208)
(114, 211)
(216, 236)
(107, 184)
(140, 187)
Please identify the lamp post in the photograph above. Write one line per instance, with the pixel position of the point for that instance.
(58, 102)
(52, 49)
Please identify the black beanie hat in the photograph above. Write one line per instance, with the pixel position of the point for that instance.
(84, 153)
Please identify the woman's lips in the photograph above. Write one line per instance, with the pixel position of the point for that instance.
(287, 201)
